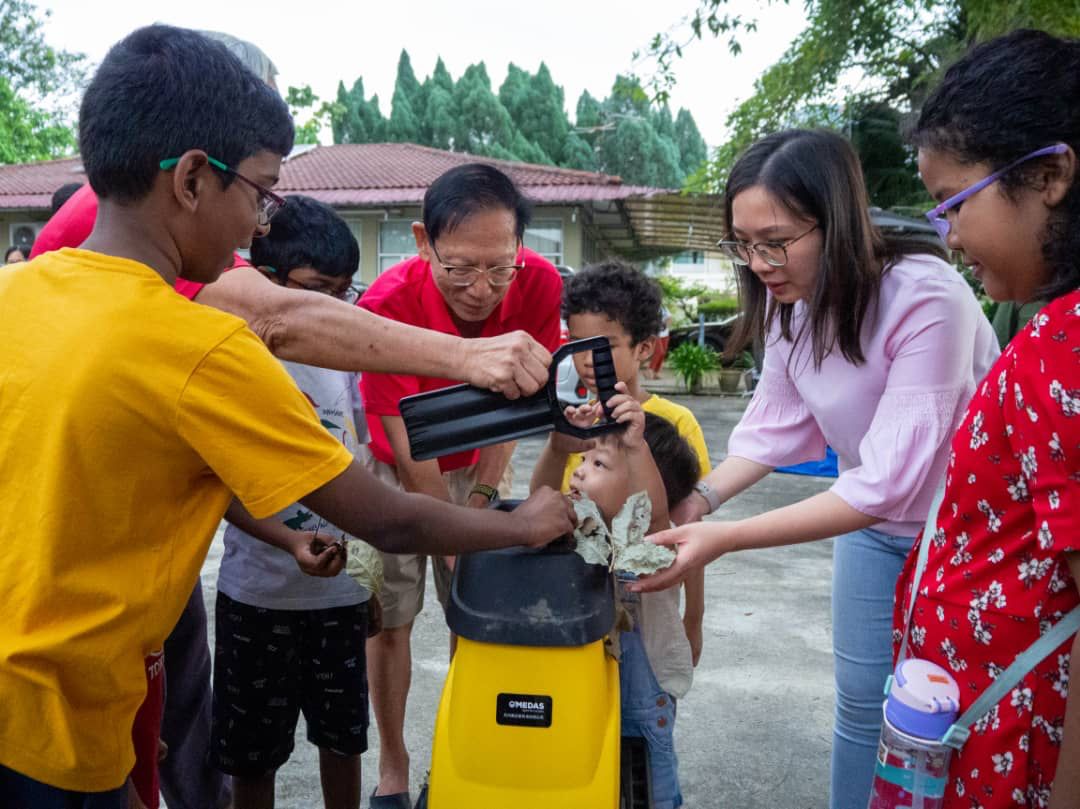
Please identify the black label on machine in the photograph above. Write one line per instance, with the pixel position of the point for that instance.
(529, 710)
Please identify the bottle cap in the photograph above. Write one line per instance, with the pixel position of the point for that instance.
(923, 700)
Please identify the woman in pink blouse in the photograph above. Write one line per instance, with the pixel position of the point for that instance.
(872, 346)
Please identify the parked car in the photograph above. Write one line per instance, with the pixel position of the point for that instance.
(717, 333)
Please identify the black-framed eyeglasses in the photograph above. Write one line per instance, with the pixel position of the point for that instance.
(269, 202)
(466, 275)
(772, 253)
(351, 293)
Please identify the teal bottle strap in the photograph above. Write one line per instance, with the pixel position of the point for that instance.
(1007, 680)
(920, 567)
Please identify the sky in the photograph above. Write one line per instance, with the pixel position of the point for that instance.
(584, 43)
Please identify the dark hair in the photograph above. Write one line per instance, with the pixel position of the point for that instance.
(62, 195)
(307, 233)
(162, 91)
(1005, 99)
(679, 465)
(816, 175)
(618, 291)
(459, 193)
(12, 249)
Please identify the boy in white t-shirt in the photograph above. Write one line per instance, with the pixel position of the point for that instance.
(287, 642)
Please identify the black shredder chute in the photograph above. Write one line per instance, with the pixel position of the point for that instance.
(462, 417)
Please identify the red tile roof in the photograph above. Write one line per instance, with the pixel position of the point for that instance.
(32, 185)
(348, 175)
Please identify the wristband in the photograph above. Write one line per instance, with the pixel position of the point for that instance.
(490, 492)
(710, 495)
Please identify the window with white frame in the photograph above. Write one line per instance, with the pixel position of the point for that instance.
(545, 236)
(396, 242)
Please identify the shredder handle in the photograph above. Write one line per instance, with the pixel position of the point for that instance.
(462, 417)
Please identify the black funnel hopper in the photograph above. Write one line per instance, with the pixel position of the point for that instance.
(462, 417)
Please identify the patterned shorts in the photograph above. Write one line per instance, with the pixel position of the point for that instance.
(271, 665)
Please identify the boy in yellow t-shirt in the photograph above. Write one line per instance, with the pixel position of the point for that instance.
(617, 301)
(132, 416)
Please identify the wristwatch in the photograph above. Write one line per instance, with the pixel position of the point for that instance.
(490, 492)
(711, 497)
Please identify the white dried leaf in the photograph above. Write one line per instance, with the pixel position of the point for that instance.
(364, 565)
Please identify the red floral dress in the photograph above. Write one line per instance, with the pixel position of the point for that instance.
(996, 574)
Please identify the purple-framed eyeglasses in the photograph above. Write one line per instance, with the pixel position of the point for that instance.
(938, 216)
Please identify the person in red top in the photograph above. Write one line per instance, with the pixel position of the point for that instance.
(471, 278)
(998, 143)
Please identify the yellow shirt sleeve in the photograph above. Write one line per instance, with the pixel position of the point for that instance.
(249, 421)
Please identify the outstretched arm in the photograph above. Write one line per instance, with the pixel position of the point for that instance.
(819, 517)
(401, 522)
(317, 330)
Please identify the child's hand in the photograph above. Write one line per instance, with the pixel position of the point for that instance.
(316, 557)
(625, 409)
(580, 416)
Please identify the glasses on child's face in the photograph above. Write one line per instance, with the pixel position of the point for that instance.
(350, 294)
(269, 202)
(939, 216)
(466, 275)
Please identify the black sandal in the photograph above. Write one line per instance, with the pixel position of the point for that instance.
(399, 800)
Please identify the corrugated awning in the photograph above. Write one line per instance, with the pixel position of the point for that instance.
(651, 224)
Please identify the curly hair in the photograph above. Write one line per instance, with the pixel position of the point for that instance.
(1004, 99)
(618, 291)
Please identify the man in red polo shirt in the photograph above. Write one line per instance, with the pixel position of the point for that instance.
(472, 278)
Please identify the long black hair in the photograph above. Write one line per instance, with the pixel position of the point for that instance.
(816, 175)
(1005, 99)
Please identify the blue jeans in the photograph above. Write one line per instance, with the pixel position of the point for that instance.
(18, 791)
(866, 565)
(649, 712)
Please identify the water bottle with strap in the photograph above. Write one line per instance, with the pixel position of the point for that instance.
(921, 725)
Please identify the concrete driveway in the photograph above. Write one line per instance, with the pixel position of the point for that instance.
(755, 730)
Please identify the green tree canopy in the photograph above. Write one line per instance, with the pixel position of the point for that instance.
(407, 104)
(303, 103)
(625, 134)
(900, 46)
(356, 119)
(484, 127)
(39, 87)
(636, 139)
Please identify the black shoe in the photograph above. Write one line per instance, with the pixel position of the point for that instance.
(399, 800)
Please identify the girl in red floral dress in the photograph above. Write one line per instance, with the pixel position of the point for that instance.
(1004, 564)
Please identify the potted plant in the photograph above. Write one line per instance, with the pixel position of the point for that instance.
(691, 362)
(733, 371)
